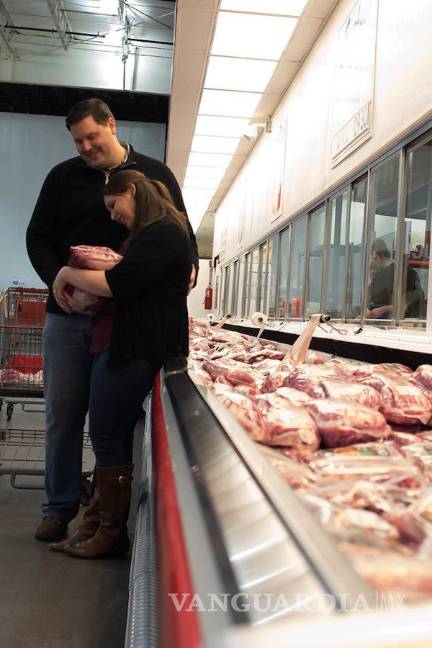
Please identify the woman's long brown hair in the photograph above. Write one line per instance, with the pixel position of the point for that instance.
(153, 200)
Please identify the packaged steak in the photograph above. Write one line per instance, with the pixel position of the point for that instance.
(404, 403)
(385, 368)
(290, 427)
(342, 423)
(397, 570)
(282, 397)
(274, 381)
(299, 476)
(331, 467)
(423, 375)
(351, 524)
(242, 408)
(90, 258)
(351, 391)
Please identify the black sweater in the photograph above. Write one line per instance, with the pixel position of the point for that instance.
(70, 211)
(149, 287)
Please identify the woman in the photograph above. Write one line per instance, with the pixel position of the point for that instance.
(143, 322)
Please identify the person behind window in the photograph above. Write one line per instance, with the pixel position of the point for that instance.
(382, 269)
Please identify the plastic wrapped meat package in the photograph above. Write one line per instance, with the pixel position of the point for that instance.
(404, 403)
(355, 392)
(290, 427)
(299, 476)
(391, 571)
(423, 375)
(350, 524)
(90, 258)
(331, 467)
(341, 423)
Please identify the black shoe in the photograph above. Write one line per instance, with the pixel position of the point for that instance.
(51, 529)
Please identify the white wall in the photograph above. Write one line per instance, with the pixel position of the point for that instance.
(30, 145)
(401, 99)
(196, 297)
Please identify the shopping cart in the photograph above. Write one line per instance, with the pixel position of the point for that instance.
(22, 453)
(22, 316)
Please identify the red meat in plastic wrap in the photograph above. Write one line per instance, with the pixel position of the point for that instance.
(284, 395)
(423, 375)
(298, 476)
(308, 378)
(274, 381)
(351, 391)
(90, 258)
(93, 257)
(386, 368)
(355, 525)
(244, 376)
(404, 403)
(391, 571)
(342, 423)
(316, 358)
(197, 373)
(291, 427)
(242, 408)
(253, 358)
(214, 368)
(332, 467)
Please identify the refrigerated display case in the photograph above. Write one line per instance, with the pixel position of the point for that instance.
(233, 556)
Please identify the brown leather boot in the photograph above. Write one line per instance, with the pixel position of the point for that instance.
(85, 531)
(110, 539)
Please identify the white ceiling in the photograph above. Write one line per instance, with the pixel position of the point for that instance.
(193, 38)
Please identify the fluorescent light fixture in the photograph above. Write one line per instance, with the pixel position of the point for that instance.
(207, 144)
(220, 126)
(200, 183)
(213, 173)
(251, 35)
(228, 103)
(238, 74)
(219, 160)
(282, 7)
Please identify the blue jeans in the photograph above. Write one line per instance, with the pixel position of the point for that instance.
(67, 372)
(73, 379)
(116, 397)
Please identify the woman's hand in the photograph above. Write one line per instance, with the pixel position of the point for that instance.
(58, 288)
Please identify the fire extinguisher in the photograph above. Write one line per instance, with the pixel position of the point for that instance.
(208, 299)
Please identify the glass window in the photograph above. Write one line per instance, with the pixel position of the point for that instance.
(226, 279)
(273, 255)
(234, 293)
(336, 264)
(355, 251)
(282, 301)
(246, 285)
(417, 237)
(254, 276)
(382, 246)
(297, 267)
(263, 275)
(315, 261)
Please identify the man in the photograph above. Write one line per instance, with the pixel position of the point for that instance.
(382, 269)
(70, 211)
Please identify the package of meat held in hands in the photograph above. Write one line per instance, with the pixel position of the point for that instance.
(89, 258)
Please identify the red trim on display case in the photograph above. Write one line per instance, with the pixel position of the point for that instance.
(176, 628)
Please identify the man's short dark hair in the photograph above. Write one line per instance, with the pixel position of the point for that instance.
(95, 108)
(380, 248)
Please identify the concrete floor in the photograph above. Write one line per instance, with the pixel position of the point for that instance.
(50, 600)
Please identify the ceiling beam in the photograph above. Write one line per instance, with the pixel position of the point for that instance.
(5, 19)
(61, 22)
